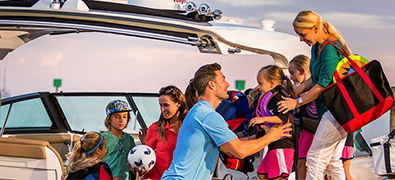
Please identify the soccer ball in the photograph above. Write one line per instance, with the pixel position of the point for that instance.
(142, 156)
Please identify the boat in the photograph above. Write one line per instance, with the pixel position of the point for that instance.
(60, 126)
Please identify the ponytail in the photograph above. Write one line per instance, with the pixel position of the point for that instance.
(82, 155)
(328, 28)
(289, 87)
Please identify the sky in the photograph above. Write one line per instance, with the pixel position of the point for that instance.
(104, 62)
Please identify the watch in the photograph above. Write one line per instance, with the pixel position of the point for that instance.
(300, 100)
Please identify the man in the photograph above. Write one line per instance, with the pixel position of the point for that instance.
(204, 132)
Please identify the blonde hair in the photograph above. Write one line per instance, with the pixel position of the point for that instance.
(276, 74)
(80, 157)
(307, 19)
(301, 62)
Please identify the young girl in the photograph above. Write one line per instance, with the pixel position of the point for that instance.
(119, 143)
(85, 161)
(300, 72)
(277, 164)
(162, 135)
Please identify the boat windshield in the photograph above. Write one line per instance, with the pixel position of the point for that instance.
(87, 113)
(25, 114)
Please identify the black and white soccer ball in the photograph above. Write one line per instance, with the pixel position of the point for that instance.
(142, 156)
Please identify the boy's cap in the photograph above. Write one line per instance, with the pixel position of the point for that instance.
(117, 106)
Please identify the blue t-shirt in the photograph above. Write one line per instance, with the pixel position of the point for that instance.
(199, 139)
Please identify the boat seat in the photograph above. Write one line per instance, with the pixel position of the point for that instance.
(27, 159)
(18, 148)
(59, 141)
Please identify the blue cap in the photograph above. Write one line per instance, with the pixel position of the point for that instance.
(117, 106)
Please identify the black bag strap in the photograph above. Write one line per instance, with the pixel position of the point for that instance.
(387, 152)
(387, 158)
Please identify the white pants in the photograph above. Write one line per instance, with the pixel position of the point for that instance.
(326, 149)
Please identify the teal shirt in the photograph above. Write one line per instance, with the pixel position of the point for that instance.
(117, 154)
(322, 69)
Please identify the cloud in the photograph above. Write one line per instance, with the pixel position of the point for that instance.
(251, 3)
(358, 20)
(51, 58)
(338, 19)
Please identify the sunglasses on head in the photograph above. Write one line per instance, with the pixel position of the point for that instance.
(168, 90)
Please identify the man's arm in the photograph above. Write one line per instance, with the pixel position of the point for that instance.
(242, 149)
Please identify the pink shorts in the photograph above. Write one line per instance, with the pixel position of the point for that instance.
(277, 163)
(347, 153)
(304, 143)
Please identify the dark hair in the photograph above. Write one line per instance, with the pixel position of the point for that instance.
(276, 74)
(203, 75)
(190, 95)
(177, 96)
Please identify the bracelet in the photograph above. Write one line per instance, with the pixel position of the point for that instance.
(253, 98)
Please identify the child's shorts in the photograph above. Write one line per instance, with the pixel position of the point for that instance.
(347, 152)
(305, 140)
(277, 163)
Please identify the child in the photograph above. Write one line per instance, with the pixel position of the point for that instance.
(119, 143)
(85, 161)
(347, 155)
(278, 161)
(299, 71)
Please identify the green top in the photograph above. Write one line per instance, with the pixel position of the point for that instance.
(322, 69)
(117, 154)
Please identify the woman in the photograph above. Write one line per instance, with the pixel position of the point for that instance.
(325, 151)
(162, 135)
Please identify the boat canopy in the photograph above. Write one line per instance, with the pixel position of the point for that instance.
(24, 21)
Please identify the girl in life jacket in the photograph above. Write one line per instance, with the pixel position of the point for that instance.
(277, 164)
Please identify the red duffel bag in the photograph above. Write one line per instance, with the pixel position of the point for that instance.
(359, 97)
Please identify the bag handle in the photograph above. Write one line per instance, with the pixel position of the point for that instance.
(342, 89)
(358, 69)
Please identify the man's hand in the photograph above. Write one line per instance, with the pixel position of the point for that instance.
(277, 132)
